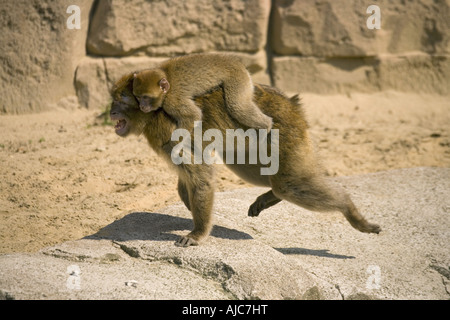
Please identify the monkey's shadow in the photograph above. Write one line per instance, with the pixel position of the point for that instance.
(311, 252)
(157, 227)
(160, 227)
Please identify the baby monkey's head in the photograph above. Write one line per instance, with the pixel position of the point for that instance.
(149, 88)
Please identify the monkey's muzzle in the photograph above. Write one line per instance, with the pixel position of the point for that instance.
(121, 126)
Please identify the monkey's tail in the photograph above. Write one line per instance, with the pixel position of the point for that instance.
(296, 100)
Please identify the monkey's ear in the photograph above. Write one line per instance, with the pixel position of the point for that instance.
(164, 85)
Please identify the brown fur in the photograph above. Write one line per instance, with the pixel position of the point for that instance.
(298, 180)
(176, 82)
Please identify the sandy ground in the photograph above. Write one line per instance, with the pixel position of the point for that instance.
(65, 174)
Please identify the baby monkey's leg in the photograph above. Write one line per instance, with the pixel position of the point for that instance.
(239, 101)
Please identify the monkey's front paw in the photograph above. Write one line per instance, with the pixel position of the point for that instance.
(186, 242)
(267, 124)
(262, 123)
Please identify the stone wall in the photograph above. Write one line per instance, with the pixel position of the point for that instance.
(326, 46)
(39, 54)
(297, 45)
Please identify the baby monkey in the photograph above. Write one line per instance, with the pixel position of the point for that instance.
(194, 75)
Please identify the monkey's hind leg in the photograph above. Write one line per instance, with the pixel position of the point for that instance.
(315, 194)
(263, 202)
(239, 102)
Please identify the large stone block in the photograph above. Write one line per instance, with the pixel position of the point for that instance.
(167, 28)
(39, 53)
(320, 75)
(413, 72)
(416, 72)
(338, 28)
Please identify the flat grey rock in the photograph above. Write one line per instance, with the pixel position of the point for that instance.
(285, 253)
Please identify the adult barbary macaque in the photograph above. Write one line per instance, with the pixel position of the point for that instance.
(174, 84)
(299, 178)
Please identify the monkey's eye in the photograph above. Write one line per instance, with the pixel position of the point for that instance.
(146, 100)
(126, 99)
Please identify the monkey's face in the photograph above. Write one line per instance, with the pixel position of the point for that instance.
(149, 88)
(148, 103)
(125, 111)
